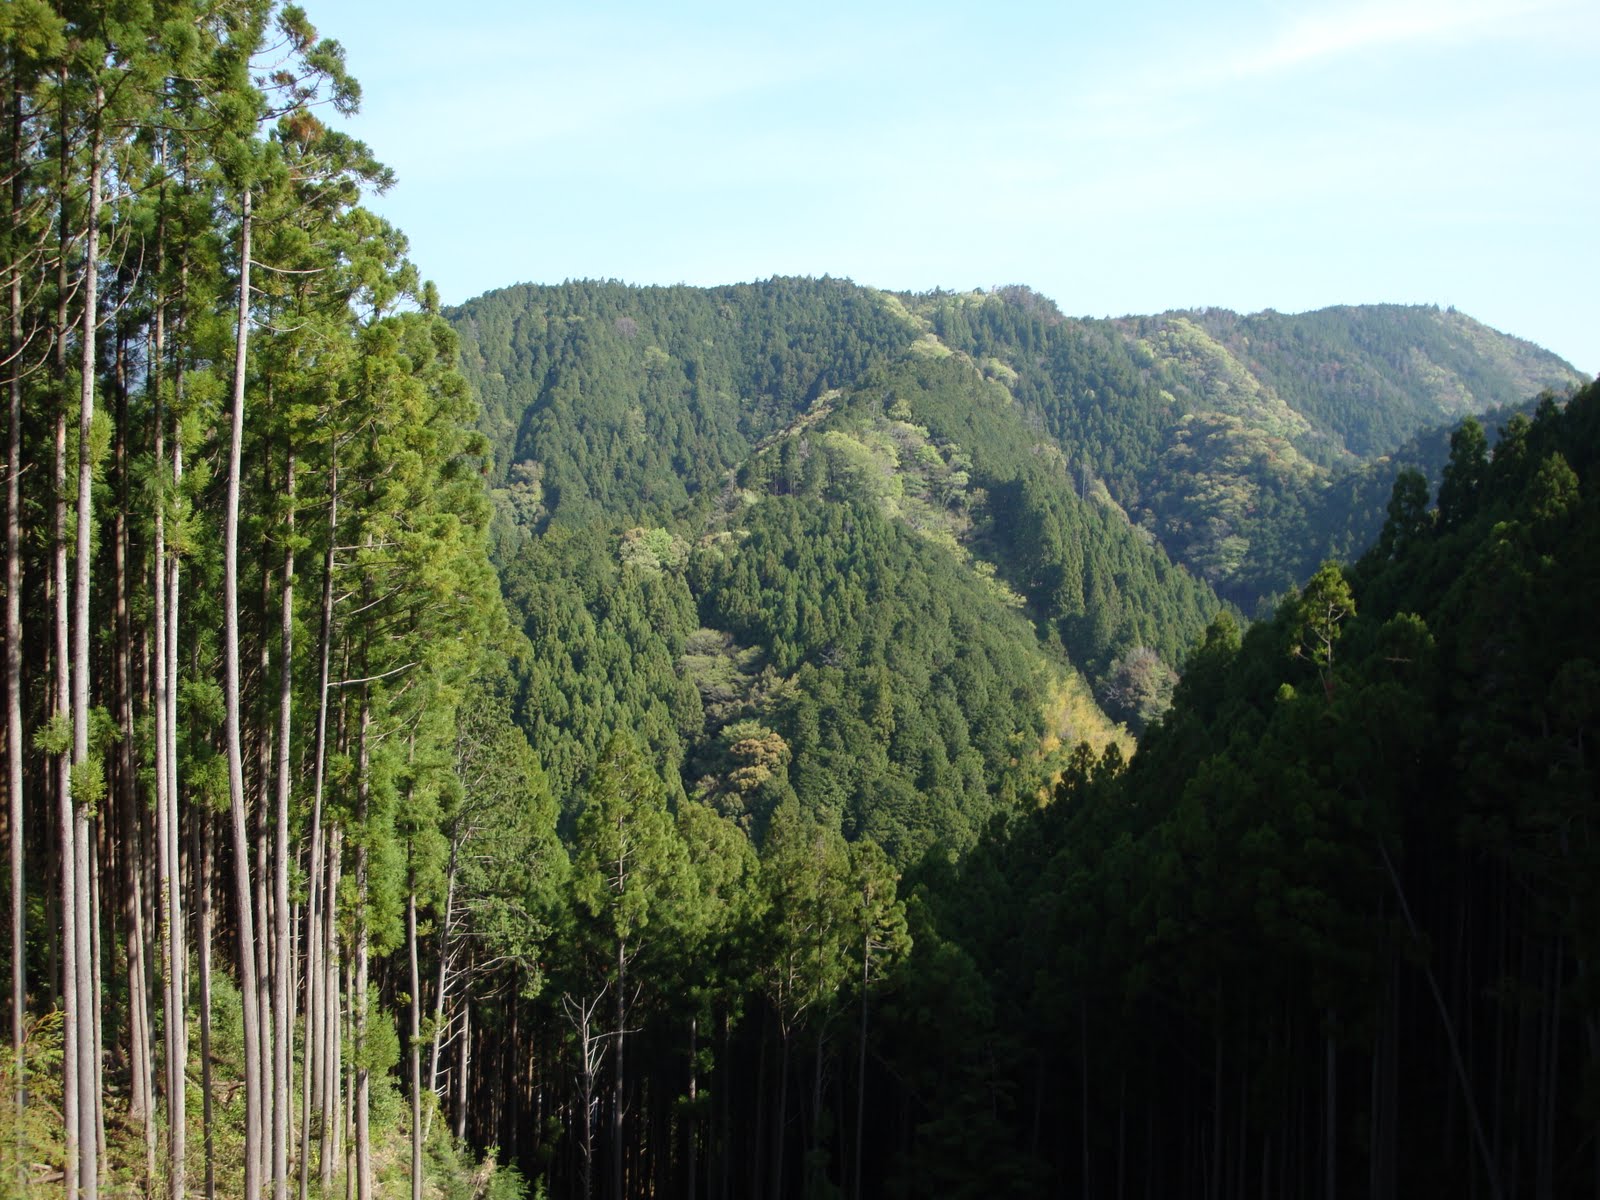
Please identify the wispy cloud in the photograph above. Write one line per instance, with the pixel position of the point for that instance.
(1202, 62)
(1374, 26)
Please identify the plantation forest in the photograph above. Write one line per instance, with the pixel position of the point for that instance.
(788, 739)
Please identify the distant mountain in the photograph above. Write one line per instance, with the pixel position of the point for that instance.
(1372, 375)
(885, 553)
(1219, 433)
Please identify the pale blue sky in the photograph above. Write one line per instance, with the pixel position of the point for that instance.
(1248, 154)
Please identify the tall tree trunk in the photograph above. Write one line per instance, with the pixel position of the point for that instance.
(14, 777)
(243, 896)
(68, 879)
(465, 1061)
(416, 1033)
(314, 1094)
(332, 1120)
(780, 1129)
(283, 988)
(363, 1081)
(262, 809)
(692, 1123)
(861, 1061)
(97, 990)
(208, 1104)
(88, 1065)
(441, 990)
(619, 1080)
(126, 806)
(170, 913)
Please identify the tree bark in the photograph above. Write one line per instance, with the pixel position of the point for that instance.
(693, 1122)
(283, 988)
(363, 1080)
(207, 1114)
(169, 890)
(68, 879)
(14, 776)
(416, 1036)
(332, 1118)
(87, 1063)
(441, 990)
(314, 1078)
(126, 807)
(243, 895)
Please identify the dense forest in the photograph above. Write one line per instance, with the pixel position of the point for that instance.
(781, 739)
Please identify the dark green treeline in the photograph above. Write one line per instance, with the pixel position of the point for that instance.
(1331, 932)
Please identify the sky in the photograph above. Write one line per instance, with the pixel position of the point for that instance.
(1247, 154)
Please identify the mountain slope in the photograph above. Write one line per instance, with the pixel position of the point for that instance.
(1217, 432)
(1373, 375)
(879, 553)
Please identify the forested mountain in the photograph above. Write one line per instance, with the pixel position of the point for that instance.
(1225, 437)
(1221, 435)
(601, 399)
(1371, 376)
(849, 636)
(875, 569)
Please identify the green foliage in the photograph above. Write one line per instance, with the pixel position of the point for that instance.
(1373, 375)
(34, 1136)
(640, 399)
(53, 736)
(1341, 809)
(1237, 440)
(912, 697)
(508, 1183)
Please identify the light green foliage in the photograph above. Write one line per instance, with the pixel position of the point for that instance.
(1320, 613)
(501, 825)
(33, 1136)
(628, 866)
(653, 550)
(805, 873)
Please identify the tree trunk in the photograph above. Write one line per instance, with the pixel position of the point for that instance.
(283, 989)
(441, 989)
(208, 1105)
(87, 1063)
(780, 1127)
(693, 1121)
(14, 777)
(416, 1035)
(177, 1014)
(262, 877)
(126, 806)
(332, 1112)
(243, 893)
(68, 879)
(169, 913)
(465, 1060)
(861, 1062)
(318, 942)
(363, 1080)
(619, 1081)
